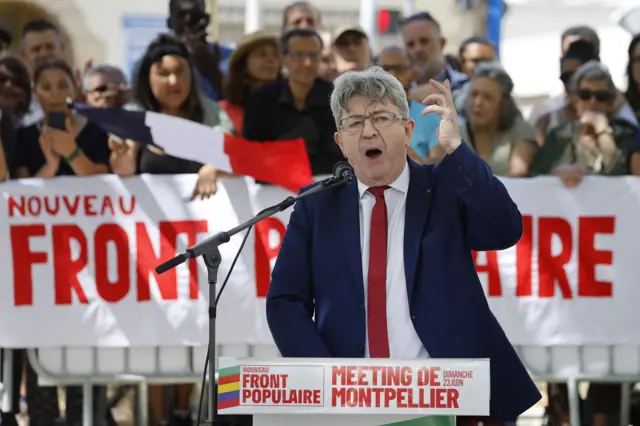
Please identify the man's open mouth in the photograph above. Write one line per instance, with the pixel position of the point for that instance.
(373, 153)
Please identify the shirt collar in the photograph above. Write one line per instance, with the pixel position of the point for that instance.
(401, 184)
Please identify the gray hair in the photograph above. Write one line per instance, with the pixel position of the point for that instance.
(509, 110)
(592, 70)
(391, 49)
(102, 69)
(374, 84)
(496, 72)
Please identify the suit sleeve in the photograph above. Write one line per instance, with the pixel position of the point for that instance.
(491, 218)
(290, 301)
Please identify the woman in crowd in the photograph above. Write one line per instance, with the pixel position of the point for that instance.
(493, 124)
(15, 98)
(254, 62)
(15, 87)
(633, 75)
(578, 53)
(593, 143)
(165, 83)
(80, 149)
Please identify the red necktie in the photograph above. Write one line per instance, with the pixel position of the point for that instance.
(377, 278)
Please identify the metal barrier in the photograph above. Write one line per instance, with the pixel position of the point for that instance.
(573, 364)
(143, 366)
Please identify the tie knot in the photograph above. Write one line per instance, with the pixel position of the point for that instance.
(378, 191)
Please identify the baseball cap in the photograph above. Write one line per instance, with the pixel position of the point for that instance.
(348, 29)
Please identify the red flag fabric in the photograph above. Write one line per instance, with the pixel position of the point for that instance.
(283, 163)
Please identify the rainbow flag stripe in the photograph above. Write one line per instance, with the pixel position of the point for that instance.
(228, 387)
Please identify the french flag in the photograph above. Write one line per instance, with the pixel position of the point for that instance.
(282, 163)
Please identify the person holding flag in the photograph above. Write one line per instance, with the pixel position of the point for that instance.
(164, 82)
(170, 127)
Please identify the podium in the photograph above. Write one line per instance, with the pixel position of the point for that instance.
(353, 392)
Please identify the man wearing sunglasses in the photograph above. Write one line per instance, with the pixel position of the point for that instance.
(560, 109)
(595, 142)
(105, 86)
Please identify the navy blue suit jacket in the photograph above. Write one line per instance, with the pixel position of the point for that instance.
(451, 209)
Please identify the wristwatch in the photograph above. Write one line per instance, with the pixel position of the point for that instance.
(75, 154)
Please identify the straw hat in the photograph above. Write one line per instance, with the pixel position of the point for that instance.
(248, 42)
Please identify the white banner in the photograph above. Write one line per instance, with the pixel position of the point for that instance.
(78, 256)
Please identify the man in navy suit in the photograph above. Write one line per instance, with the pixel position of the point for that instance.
(382, 267)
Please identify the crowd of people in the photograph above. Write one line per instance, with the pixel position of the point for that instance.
(277, 87)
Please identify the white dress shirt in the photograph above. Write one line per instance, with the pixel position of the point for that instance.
(404, 342)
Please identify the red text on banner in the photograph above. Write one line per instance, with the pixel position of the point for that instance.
(67, 267)
(551, 263)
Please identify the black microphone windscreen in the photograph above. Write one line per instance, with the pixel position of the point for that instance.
(343, 171)
(171, 263)
(338, 167)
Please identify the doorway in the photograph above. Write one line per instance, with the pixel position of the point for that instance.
(13, 16)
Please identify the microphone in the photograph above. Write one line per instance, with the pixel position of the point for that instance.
(171, 263)
(343, 171)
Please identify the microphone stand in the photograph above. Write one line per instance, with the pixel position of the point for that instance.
(210, 252)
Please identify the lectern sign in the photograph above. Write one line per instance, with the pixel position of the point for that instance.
(358, 386)
(271, 386)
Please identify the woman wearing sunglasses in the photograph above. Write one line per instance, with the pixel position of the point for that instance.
(594, 142)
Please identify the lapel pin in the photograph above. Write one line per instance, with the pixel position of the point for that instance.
(428, 191)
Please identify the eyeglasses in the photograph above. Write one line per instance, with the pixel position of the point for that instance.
(379, 120)
(599, 95)
(301, 56)
(103, 88)
(100, 89)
